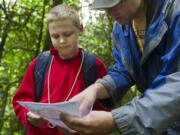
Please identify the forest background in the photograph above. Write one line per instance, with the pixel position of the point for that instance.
(23, 35)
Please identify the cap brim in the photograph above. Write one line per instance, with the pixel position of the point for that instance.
(102, 5)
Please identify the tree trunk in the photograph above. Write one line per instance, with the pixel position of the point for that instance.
(41, 29)
(2, 44)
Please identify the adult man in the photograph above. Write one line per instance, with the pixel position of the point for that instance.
(147, 53)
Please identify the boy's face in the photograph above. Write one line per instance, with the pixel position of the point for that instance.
(64, 36)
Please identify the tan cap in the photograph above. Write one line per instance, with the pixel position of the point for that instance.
(102, 4)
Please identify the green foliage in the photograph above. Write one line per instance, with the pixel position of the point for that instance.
(97, 38)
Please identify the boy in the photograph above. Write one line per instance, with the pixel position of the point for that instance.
(64, 77)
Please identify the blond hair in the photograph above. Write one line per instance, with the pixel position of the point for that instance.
(61, 12)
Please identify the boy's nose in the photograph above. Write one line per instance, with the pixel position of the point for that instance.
(61, 40)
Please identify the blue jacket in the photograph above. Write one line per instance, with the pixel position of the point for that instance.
(156, 72)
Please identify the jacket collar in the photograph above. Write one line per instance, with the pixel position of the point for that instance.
(157, 28)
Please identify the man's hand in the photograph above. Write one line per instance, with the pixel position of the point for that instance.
(88, 97)
(35, 120)
(95, 123)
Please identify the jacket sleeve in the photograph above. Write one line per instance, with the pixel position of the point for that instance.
(159, 107)
(117, 81)
(153, 113)
(25, 92)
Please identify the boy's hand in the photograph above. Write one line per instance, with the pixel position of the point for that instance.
(35, 120)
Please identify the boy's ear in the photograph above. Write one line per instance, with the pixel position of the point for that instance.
(81, 29)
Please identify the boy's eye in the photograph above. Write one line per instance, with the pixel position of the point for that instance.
(67, 34)
(55, 36)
